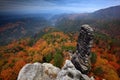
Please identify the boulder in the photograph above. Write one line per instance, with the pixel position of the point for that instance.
(38, 71)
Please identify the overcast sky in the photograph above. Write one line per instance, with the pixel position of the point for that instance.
(65, 6)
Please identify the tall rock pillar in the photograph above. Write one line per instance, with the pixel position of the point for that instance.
(81, 59)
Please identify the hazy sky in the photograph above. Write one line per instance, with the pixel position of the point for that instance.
(54, 6)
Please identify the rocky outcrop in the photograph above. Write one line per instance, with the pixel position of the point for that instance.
(81, 58)
(74, 69)
(47, 71)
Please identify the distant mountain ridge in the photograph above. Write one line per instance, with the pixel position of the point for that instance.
(15, 27)
(105, 20)
(109, 13)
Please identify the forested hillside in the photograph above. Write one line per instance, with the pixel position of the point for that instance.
(53, 47)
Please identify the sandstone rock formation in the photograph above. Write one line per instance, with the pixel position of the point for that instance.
(74, 69)
(81, 59)
(47, 71)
